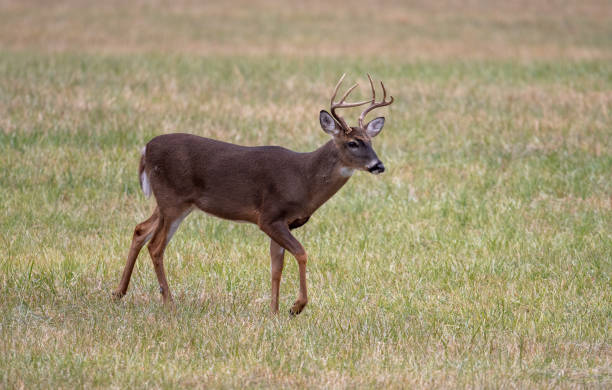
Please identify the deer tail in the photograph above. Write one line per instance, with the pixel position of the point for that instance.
(145, 184)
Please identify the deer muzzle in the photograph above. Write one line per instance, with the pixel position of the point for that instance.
(377, 168)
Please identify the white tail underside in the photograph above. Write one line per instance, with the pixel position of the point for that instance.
(144, 179)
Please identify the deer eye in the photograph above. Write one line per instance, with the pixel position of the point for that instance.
(352, 145)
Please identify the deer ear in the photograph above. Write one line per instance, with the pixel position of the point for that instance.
(375, 126)
(328, 124)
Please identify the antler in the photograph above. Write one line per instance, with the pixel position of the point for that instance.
(373, 103)
(343, 104)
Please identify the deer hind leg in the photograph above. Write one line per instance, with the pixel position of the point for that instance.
(161, 237)
(279, 232)
(277, 262)
(142, 233)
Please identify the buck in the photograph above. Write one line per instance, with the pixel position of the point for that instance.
(275, 188)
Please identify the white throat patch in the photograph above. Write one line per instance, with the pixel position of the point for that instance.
(346, 171)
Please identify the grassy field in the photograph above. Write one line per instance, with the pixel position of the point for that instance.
(482, 257)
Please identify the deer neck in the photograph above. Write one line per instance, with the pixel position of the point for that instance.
(326, 174)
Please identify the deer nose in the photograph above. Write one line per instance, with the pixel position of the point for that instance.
(377, 168)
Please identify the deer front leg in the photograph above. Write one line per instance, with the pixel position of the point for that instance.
(302, 300)
(277, 262)
(279, 232)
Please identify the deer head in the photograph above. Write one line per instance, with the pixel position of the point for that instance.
(354, 144)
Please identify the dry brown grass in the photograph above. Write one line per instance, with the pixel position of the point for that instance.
(477, 29)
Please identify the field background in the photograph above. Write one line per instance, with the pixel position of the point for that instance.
(481, 258)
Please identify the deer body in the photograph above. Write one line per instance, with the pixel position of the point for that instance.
(224, 179)
(275, 188)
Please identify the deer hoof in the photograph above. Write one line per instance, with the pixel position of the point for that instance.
(117, 295)
(297, 308)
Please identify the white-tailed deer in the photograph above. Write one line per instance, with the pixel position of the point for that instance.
(275, 188)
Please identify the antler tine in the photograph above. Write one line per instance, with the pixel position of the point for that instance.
(373, 89)
(336, 89)
(343, 104)
(385, 93)
(347, 93)
(373, 103)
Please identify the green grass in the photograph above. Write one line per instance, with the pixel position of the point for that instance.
(481, 258)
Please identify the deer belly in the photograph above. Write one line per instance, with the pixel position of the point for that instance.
(235, 211)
